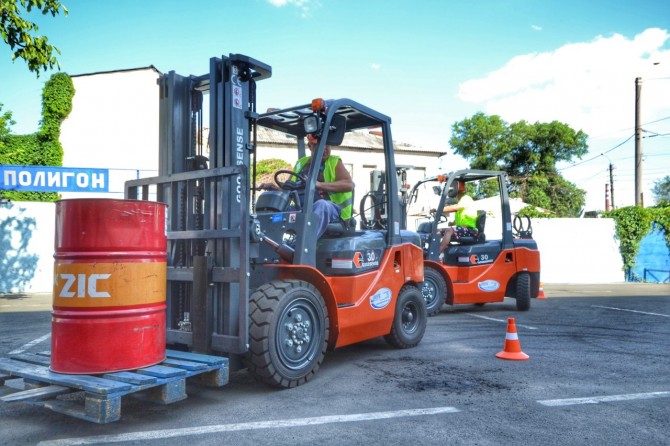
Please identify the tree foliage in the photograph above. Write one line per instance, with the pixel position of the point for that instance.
(661, 190)
(632, 224)
(21, 34)
(42, 148)
(6, 122)
(528, 153)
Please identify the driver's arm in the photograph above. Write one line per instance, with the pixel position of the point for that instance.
(342, 183)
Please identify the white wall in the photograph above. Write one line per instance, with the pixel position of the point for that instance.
(113, 125)
(578, 250)
(27, 254)
(572, 250)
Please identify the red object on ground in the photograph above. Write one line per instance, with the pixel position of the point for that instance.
(512, 348)
(109, 286)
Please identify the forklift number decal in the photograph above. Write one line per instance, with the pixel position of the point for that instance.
(367, 258)
(476, 259)
(380, 299)
(488, 285)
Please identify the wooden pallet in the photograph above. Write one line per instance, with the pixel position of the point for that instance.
(164, 383)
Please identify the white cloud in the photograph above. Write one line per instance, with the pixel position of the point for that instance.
(375, 66)
(589, 86)
(536, 27)
(303, 5)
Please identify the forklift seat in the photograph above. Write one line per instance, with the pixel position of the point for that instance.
(480, 237)
(273, 201)
(425, 227)
(341, 227)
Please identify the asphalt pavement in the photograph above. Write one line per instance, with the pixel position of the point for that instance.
(597, 374)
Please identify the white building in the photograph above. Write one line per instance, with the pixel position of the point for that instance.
(114, 125)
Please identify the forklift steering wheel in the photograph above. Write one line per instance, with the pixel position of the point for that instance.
(442, 218)
(290, 184)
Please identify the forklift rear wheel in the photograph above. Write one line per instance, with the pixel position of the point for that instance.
(409, 322)
(434, 290)
(523, 292)
(288, 332)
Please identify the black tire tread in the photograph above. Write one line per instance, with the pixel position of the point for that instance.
(396, 338)
(440, 286)
(263, 305)
(523, 291)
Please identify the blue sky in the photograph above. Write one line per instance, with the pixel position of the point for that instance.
(425, 63)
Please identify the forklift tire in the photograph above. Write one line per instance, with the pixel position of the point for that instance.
(409, 321)
(288, 333)
(523, 292)
(434, 291)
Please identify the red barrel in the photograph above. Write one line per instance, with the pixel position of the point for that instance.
(109, 286)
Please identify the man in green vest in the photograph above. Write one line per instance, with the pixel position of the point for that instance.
(334, 186)
(465, 222)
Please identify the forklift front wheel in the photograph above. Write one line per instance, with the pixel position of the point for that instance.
(409, 321)
(288, 332)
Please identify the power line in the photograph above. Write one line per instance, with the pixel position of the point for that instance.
(597, 156)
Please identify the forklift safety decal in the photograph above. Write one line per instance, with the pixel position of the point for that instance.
(488, 285)
(237, 88)
(381, 299)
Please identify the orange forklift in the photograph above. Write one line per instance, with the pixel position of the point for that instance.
(247, 276)
(500, 260)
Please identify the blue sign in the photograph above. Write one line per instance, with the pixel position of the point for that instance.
(53, 179)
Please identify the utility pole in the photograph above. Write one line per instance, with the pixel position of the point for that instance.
(612, 185)
(607, 198)
(611, 167)
(638, 145)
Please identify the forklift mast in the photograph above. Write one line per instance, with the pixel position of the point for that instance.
(208, 224)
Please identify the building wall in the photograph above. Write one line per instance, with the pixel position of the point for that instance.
(572, 250)
(113, 125)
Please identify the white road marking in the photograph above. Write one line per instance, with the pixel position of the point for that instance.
(604, 399)
(25, 347)
(631, 311)
(276, 424)
(528, 327)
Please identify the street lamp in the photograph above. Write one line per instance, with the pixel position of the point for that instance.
(611, 178)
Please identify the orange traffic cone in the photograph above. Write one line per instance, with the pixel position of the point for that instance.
(541, 295)
(512, 348)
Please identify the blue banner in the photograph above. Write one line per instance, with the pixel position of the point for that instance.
(53, 179)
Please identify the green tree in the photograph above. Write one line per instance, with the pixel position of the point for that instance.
(661, 190)
(43, 147)
(528, 153)
(6, 122)
(21, 34)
